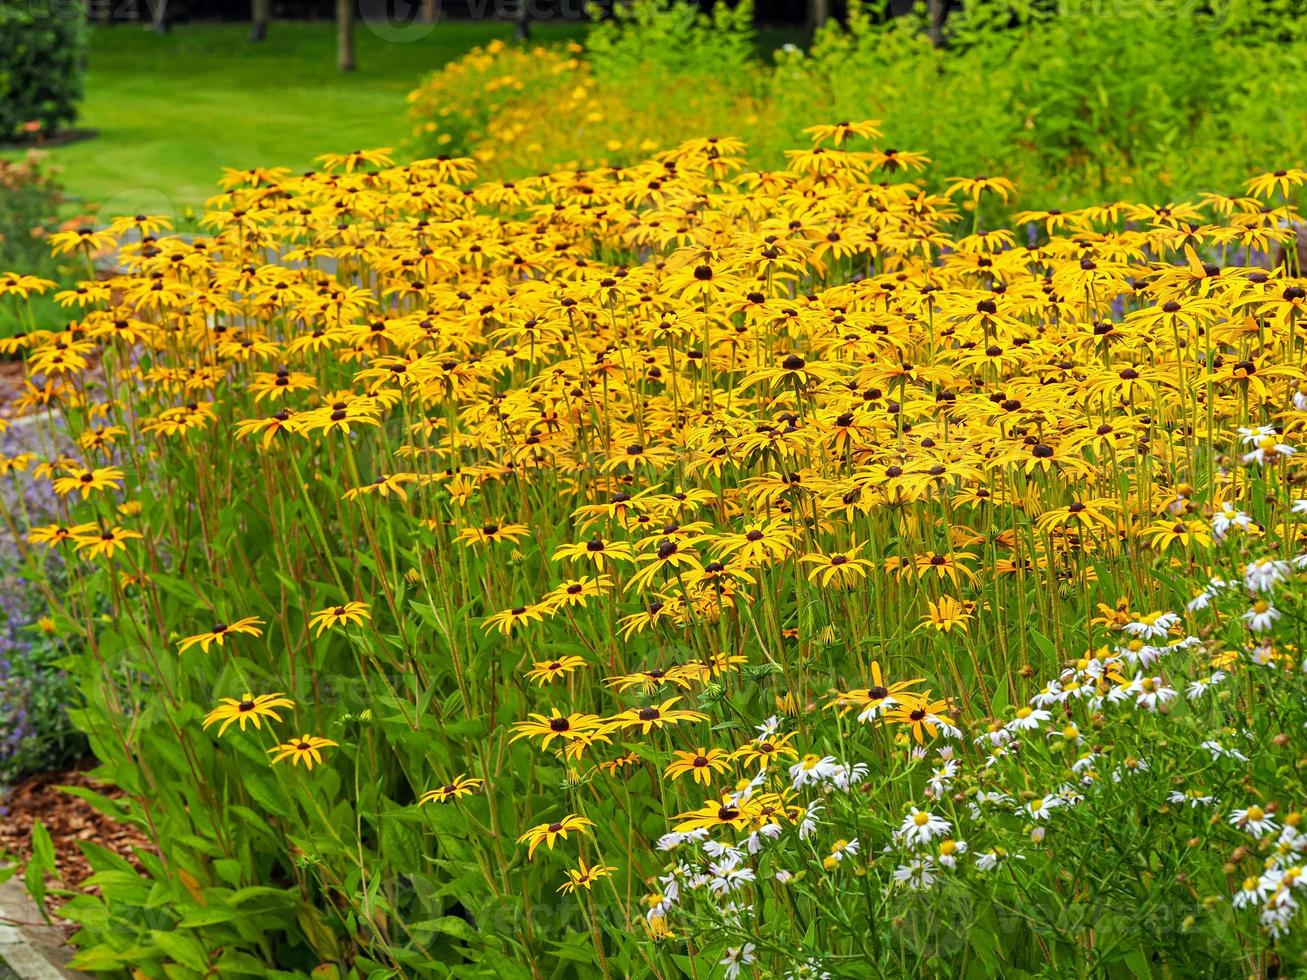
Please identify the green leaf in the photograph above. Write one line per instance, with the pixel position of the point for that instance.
(39, 865)
(182, 947)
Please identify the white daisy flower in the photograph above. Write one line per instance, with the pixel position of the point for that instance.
(1278, 913)
(1268, 449)
(916, 875)
(1204, 598)
(726, 853)
(921, 827)
(1261, 617)
(1028, 719)
(726, 880)
(736, 959)
(1042, 808)
(941, 779)
(1252, 434)
(873, 712)
(1229, 517)
(997, 735)
(1151, 693)
(811, 818)
(807, 970)
(1254, 820)
(848, 776)
(812, 769)
(1253, 891)
(1218, 751)
(1197, 688)
(841, 848)
(950, 851)
(1264, 574)
(1152, 627)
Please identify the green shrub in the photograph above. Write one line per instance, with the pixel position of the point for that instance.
(29, 204)
(35, 733)
(646, 41)
(1073, 101)
(42, 55)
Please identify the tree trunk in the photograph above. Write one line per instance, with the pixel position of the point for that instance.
(345, 35)
(936, 12)
(260, 13)
(522, 21)
(159, 21)
(818, 13)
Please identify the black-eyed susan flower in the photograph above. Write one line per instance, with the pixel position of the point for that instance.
(306, 749)
(509, 619)
(576, 593)
(556, 725)
(356, 159)
(53, 534)
(793, 369)
(702, 764)
(840, 570)
(947, 614)
(85, 238)
(759, 543)
(950, 565)
(106, 542)
(654, 677)
(390, 485)
(841, 132)
(458, 786)
(655, 716)
(874, 701)
(584, 875)
(491, 532)
(280, 423)
(23, 285)
(1277, 181)
(219, 633)
(548, 833)
(1165, 535)
(544, 672)
(765, 749)
(921, 720)
(249, 708)
(353, 612)
(86, 482)
(671, 557)
(596, 550)
(719, 814)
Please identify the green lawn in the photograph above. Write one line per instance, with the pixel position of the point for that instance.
(173, 110)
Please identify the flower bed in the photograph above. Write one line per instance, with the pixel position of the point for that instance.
(684, 568)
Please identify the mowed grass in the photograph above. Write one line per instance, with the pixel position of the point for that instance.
(173, 110)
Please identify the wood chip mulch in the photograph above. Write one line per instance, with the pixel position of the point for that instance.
(68, 819)
(12, 375)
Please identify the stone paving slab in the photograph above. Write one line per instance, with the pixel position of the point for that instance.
(30, 949)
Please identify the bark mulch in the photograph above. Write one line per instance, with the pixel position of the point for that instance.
(68, 819)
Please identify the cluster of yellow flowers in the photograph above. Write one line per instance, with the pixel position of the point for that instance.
(706, 423)
(517, 110)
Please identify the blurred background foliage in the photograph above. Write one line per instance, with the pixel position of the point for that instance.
(1076, 101)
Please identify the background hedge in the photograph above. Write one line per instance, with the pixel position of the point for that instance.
(42, 57)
